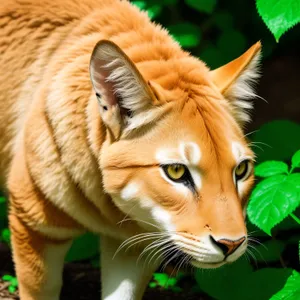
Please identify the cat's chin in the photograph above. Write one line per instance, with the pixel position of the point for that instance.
(210, 265)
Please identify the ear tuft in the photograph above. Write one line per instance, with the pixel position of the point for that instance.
(236, 81)
(242, 91)
(117, 79)
(123, 95)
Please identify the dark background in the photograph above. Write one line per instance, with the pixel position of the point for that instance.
(216, 33)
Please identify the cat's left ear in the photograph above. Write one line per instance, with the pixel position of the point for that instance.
(235, 81)
(122, 92)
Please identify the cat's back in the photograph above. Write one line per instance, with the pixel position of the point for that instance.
(31, 31)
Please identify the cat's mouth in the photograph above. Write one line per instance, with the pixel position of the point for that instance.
(210, 265)
(181, 258)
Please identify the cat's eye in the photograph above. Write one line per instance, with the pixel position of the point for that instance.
(243, 170)
(175, 172)
(179, 174)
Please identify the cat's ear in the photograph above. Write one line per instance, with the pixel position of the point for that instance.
(121, 90)
(236, 80)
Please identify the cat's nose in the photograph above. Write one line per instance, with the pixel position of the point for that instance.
(228, 246)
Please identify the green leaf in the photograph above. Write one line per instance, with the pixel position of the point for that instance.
(2, 199)
(269, 251)
(296, 160)
(5, 235)
(288, 223)
(14, 281)
(152, 285)
(171, 282)
(7, 277)
(230, 279)
(273, 199)
(252, 228)
(11, 289)
(279, 15)
(270, 168)
(154, 11)
(291, 289)
(277, 140)
(187, 34)
(265, 282)
(140, 4)
(161, 279)
(206, 6)
(233, 282)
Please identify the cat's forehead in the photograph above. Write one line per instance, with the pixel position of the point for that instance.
(193, 153)
(186, 152)
(192, 139)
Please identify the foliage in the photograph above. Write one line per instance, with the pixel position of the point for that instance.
(209, 28)
(291, 290)
(277, 196)
(276, 140)
(13, 282)
(270, 251)
(239, 281)
(165, 281)
(279, 15)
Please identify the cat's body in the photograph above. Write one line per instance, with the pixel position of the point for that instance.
(55, 146)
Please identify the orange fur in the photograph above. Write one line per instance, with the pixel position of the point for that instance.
(66, 165)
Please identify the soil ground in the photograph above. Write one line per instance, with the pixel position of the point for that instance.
(82, 282)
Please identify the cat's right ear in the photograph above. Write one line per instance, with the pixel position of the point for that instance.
(121, 90)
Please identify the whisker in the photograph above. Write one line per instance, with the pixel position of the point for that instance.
(124, 219)
(262, 143)
(175, 255)
(159, 252)
(254, 240)
(255, 249)
(139, 238)
(253, 256)
(139, 220)
(155, 244)
(254, 131)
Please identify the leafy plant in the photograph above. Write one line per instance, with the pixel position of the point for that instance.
(164, 281)
(13, 282)
(279, 15)
(276, 196)
(239, 281)
(291, 290)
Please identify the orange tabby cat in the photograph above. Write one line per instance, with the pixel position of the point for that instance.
(108, 126)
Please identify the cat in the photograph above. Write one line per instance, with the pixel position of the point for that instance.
(107, 125)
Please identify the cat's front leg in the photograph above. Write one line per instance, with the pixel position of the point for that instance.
(123, 276)
(38, 260)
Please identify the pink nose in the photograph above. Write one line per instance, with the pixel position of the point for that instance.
(228, 246)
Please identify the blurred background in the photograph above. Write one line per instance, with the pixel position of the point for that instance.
(217, 32)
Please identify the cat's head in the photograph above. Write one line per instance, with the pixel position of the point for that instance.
(175, 158)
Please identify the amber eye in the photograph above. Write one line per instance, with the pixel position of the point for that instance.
(176, 171)
(242, 170)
